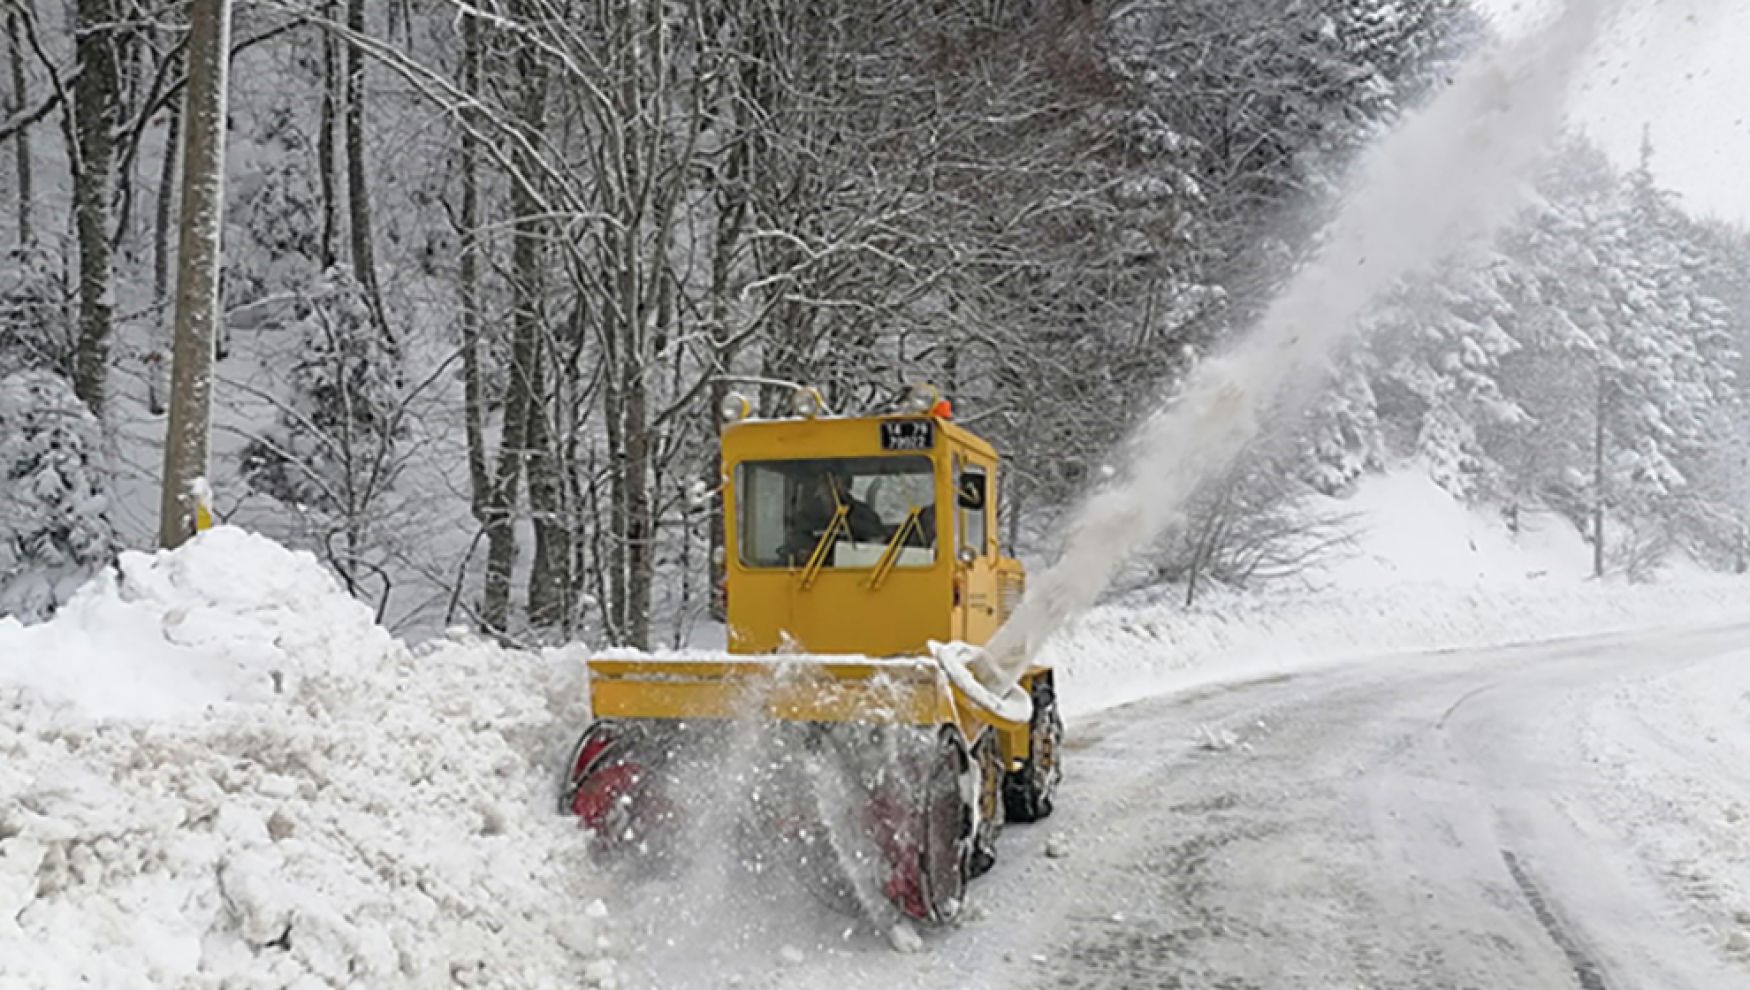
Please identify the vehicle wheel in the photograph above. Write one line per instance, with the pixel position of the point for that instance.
(598, 741)
(611, 784)
(987, 757)
(947, 827)
(925, 829)
(819, 820)
(1028, 792)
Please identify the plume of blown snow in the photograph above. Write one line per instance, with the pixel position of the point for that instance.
(1447, 176)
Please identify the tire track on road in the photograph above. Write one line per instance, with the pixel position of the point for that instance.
(1585, 970)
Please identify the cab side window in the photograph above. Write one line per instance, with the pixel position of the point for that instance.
(970, 499)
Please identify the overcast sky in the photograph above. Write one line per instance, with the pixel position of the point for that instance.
(1681, 67)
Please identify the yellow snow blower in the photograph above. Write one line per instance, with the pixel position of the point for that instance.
(862, 570)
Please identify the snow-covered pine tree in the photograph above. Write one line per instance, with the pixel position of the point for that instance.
(1436, 348)
(1341, 438)
(37, 320)
(1695, 363)
(1717, 528)
(1624, 367)
(54, 502)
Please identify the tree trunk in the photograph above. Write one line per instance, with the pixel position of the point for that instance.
(96, 108)
(364, 265)
(524, 412)
(614, 428)
(500, 510)
(21, 142)
(717, 393)
(732, 208)
(325, 146)
(197, 290)
(473, 391)
(166, 199)
(550, 571)
(633, 154)
(639, 529)
(550, 576)
(156, 367)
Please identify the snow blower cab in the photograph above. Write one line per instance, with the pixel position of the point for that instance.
(861, 571)
(861, 536)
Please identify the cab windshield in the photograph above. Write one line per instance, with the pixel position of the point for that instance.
(786, 507)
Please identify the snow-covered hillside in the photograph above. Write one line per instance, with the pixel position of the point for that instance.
(1426, 572)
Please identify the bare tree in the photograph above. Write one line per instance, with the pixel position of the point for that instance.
(468, 281)
(358, 196)
(91, 146)
(20, 102)
(166, 201)
(550, 571)
(156, 369)
(325, 171)
(524, 441)
(1254, 525)
(197, 292)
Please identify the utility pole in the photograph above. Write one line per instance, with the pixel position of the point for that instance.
(182, 511)
(1598, 475)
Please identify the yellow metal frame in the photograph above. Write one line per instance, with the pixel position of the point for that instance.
(795, 690)
(830, 691)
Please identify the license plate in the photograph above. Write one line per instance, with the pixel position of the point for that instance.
(908, 434)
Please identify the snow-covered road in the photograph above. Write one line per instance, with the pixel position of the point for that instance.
(1565, 814)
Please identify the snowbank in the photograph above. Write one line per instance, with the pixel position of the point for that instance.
(215, 769)
(1412, 530)
(230, 617)
(1428, 574)
(1669, 751)
(1121, 653)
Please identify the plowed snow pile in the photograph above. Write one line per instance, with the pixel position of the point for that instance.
(216, 770)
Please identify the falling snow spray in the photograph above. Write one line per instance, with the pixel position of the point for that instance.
(1447, 177)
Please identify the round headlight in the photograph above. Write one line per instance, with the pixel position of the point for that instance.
(807, 403)
(920, 398)
(734, 408)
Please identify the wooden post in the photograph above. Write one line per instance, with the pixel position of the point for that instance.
(197, 283)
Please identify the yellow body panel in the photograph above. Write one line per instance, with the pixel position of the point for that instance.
(916, 693)
(770, 609)
(853, 612)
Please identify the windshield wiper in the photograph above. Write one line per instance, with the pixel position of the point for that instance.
(890, 556)
(817, 559)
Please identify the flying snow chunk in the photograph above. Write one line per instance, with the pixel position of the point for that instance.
(904, 938)
(1215, 739)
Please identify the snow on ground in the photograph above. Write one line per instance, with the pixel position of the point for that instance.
(1427, 573)
(1672, 754)
(217, 770)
